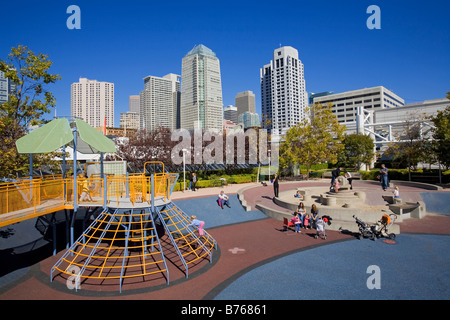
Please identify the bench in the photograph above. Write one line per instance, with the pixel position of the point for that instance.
(413, 210)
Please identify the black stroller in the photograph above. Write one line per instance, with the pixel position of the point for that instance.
(377, 230)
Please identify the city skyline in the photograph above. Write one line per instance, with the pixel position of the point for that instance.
(122, 44)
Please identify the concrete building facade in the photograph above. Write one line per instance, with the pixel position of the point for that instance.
(93, 101)
(283, 92)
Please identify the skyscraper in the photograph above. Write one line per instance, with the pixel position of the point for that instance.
(201, 90)
(230, 113)
(133, 104)
(159, 102)
(245, 102)
(6, 87)
(283, 92)
(93, 101)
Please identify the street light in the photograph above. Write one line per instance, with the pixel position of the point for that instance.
(184, 169)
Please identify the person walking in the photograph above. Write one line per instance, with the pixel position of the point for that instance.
(194, 181)
(276, 186)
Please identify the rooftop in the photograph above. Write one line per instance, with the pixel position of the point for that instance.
(201, 50)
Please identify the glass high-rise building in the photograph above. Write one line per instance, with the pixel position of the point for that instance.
(283, 93)
(201, 90)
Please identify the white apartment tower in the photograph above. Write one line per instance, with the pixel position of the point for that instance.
(201, 90)
(283, 92)
(93, 101)
(159, 102)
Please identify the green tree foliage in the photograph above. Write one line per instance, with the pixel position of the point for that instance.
(358, 149)
(317, 139)
(441, 135)
(25, 106)
(410, 146)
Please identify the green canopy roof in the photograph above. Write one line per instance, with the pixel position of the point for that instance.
(58, 133)
(91, 140)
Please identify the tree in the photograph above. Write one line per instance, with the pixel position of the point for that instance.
(441, 135)
(317, 139)
(143, 146)
(358, 149)
(410, 146)
(26, 105)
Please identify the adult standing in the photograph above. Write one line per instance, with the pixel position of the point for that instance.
(349, 178)
(384, 178)
(194, 181)
(190, 180)
(276, 186)
(334, 174)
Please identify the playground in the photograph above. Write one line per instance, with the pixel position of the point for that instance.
(98, 235)
(254, 252)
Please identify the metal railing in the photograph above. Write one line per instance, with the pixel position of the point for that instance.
(25, 198)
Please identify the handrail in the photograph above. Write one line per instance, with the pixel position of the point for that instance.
(154, 162)
(26, 199)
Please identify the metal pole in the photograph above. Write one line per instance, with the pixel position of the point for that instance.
(75, 193)
(184, 169)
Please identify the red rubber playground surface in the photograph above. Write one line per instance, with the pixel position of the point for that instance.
(243, 246)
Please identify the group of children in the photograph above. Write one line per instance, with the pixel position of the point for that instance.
(302, 219)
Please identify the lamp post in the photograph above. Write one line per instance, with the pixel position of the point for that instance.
(269, 164)
(184, 169)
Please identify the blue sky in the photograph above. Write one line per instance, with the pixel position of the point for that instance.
(124, 41)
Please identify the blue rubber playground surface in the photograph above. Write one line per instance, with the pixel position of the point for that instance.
(415, 267)
(437, 202)
(207, 209)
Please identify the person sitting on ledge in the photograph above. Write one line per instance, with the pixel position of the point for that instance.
(298, 195)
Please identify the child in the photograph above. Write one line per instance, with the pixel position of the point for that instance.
(320, 228)
(85, 189)
(298, 195)
(296, 221)
(197, 223)
(336, 185)
(223, 200)
(306, 221)
(396, 193)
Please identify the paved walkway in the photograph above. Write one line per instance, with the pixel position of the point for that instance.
(256, 259)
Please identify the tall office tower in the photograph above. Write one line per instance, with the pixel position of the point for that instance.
(201, 90)
(133, 104)
(245, 102)
(6, 87)
(283, 92)
(93, 101)
(159, 102)
(230, 113)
